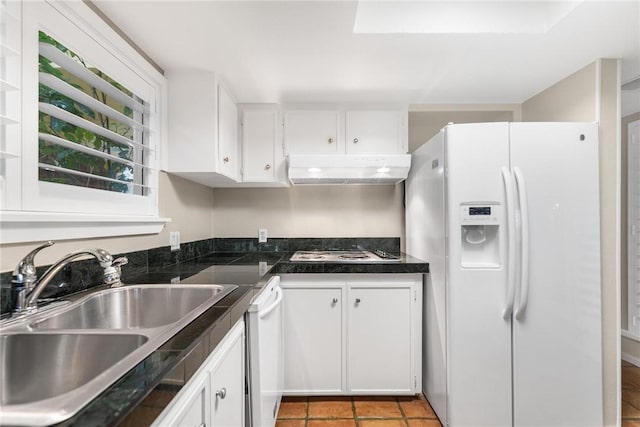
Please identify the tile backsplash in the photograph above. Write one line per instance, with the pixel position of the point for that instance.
(81, 275)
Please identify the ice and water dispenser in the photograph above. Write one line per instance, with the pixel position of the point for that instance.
(480, 236)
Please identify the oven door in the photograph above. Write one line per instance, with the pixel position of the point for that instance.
(265, 351)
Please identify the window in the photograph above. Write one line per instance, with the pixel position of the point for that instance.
(91, 131)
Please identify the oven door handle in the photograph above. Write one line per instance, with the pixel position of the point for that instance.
(276, 303)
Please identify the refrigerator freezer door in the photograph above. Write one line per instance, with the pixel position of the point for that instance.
(557, 340)
(478, 337)
(425, 239)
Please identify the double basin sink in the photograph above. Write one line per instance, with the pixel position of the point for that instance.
(55, 362)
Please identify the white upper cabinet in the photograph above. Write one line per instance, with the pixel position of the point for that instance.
(372, 132)
(345, 132)
(262, 154)
(313, 132)
(202, 129)
(228, 146)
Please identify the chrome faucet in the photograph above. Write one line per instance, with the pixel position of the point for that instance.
(28, 286)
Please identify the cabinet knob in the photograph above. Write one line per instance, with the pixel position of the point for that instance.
(357, 300)
(355, 140)
(222, 393)
(330, 140)
(226, 159)
(334, 301)
(267, 167)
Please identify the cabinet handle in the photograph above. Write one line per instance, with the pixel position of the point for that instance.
(357, 300)
(222, 393)
(226, 159)
(267, 167)
(355, 140)
(330, 140)
(334, 301)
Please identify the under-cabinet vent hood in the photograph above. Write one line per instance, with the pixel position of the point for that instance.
(339, 169)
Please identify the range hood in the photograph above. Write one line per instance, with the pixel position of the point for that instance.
(336, 169)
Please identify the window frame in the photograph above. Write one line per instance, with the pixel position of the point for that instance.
(47, 210)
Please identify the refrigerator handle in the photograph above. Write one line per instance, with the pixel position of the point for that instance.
(511, 247)
(524, 260)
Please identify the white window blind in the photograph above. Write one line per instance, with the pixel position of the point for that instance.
(93, 132)
(633, 244)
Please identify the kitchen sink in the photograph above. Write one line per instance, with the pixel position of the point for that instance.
(55, 362)
(132, 307)
(40, 366)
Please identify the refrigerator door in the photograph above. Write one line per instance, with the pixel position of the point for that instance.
(557, 340)
(478, 336)
(425, 224)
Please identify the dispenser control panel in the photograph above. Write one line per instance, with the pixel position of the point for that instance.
(479, 214)
(479, 210)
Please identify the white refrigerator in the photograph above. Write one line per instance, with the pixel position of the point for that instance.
(507, 215)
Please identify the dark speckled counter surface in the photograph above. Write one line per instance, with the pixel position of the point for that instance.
(138, 397)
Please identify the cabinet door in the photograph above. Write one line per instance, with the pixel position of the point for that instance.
(372, 132)
(313, 132)
(262, 150)
(194, 414)
(313, 341)
(189, 408)
(228, 147)
(379, 349)
(227, 387)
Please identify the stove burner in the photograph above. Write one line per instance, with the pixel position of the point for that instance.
(345, 256)
(354, 256)
(311, 256)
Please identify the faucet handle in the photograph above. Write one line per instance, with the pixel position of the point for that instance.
(25, 271)
(112, 273)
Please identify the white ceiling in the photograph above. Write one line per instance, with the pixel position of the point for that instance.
(295, 51)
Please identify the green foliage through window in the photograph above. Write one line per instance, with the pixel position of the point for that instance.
(70, 166)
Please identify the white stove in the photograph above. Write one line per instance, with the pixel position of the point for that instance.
(343, 256)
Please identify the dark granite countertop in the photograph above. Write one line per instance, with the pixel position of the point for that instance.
(138, 397)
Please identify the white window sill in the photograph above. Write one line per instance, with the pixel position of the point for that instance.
(21, 227)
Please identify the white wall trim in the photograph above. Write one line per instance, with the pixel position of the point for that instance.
(631, 359)
(618, 236)
(23, 227)
(626, 356)
(625, 333)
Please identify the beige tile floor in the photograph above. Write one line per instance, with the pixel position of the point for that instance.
(357, 411)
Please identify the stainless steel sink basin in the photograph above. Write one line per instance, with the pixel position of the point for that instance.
(55, 362)
(41, 366)
(132, 307)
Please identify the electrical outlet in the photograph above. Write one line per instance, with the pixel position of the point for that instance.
(262, 235)
(262, 268)
(174, 240)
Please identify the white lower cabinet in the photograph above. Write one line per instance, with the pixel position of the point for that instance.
(227, 387)
(352, 334)
(379, 348)
(214, 396)
(313, 338)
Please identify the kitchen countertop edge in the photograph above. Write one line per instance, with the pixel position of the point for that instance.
(199, 339)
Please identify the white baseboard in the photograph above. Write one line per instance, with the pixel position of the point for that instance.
(631, 359)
